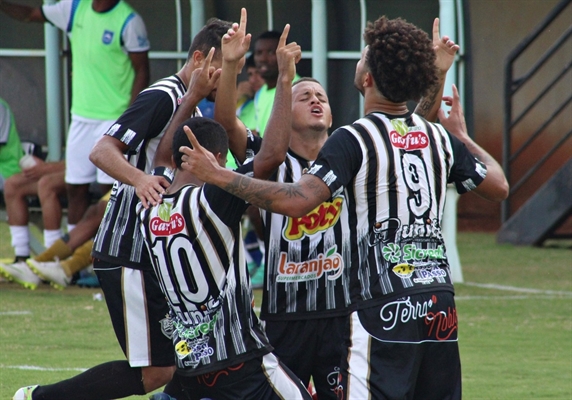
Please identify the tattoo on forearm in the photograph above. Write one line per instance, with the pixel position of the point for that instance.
(260, 194)
(428, 101)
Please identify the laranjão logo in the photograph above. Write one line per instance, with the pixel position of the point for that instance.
(407, 138)
(330, 263)
(319, 219)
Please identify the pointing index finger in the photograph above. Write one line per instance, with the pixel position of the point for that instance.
(284, 36)
(191, 137)
(243, 19)
(436, 29)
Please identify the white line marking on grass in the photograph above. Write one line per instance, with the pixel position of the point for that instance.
(37, 368)
(15, 312)
(521, 297)
(517, 289)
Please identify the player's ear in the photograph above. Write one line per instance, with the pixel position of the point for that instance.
(198, 58)
(221, 158)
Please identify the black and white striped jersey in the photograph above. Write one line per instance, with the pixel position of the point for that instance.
(393, 172)
(195, 241)
(307, 259)
(140, 127)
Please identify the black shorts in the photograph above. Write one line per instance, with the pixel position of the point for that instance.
(404, 349)
(262, 378)
(311, 348)
(138, 311)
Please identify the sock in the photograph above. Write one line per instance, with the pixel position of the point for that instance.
(70, 227)
(111, 380)
(20, 240)
(50, 236)
(80, 259)
(175, 388)
(58, 249)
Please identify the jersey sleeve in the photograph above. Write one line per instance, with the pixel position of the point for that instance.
(144, 119)
(338, 161)
(134, 35)
(467, 171)
(228, 207)
(58, 14)
(253, 144)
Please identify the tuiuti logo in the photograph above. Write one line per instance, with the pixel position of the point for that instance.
(330, 263)
(319, 219)
(166, 224)
(407, 138)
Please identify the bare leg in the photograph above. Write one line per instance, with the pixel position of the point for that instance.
(16, 189)
(87, 227)
(50, 188)
(78, 202)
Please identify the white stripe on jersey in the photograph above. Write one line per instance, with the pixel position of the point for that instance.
(136, 318)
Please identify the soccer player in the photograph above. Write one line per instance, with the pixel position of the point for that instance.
(134, 299)
(392, 168)
(195, 240)
(306, 284)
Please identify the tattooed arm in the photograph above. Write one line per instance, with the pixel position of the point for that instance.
(292, 199)
(445, 50)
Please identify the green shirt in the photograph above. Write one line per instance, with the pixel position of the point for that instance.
(102, 76)
(10, 146)
(263, 102)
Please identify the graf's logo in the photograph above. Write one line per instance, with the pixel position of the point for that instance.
(317, 220)
(407, 138)
(166, 224)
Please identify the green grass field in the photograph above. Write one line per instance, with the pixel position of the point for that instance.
(515, 334)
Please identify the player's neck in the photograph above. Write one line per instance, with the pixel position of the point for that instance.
(308, 145)
(183, 178)
(102, 6)
(374, 102)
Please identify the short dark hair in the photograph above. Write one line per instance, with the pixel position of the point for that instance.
(306, 79)
(401, 59)
(209, 36)
(269, 35)
(209, 133)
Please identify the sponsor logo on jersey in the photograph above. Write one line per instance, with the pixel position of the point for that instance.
(423, 274)
(330, 263)
(192, 351)
(196, 331)
(382, 229)
(166, 224)
(393, 253)
(407, 138)
(317, 220)
(107, 37)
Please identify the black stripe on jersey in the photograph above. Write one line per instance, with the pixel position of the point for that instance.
(391, 177)
(435, 162)
(206, 224)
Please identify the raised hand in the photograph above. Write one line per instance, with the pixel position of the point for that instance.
(236, 42)
(287, 55)
(445, 49)
(198, 160)
(204, 79)
(454, 122)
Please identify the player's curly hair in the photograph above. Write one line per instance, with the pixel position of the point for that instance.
(400, 58)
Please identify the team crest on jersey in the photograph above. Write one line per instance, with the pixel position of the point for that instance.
(166, 224)
(329, 264)
(107, 37)
(317, 220)
(406, 137)
(167, 327)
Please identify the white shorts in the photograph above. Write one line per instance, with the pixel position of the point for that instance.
(82, 136)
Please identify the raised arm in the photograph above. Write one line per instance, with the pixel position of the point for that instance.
(495, 186)
(234, 46)
(22, 13)
(291, 199)
(275, 144)
(445, 50)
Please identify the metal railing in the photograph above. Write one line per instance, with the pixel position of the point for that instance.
(513, 84)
